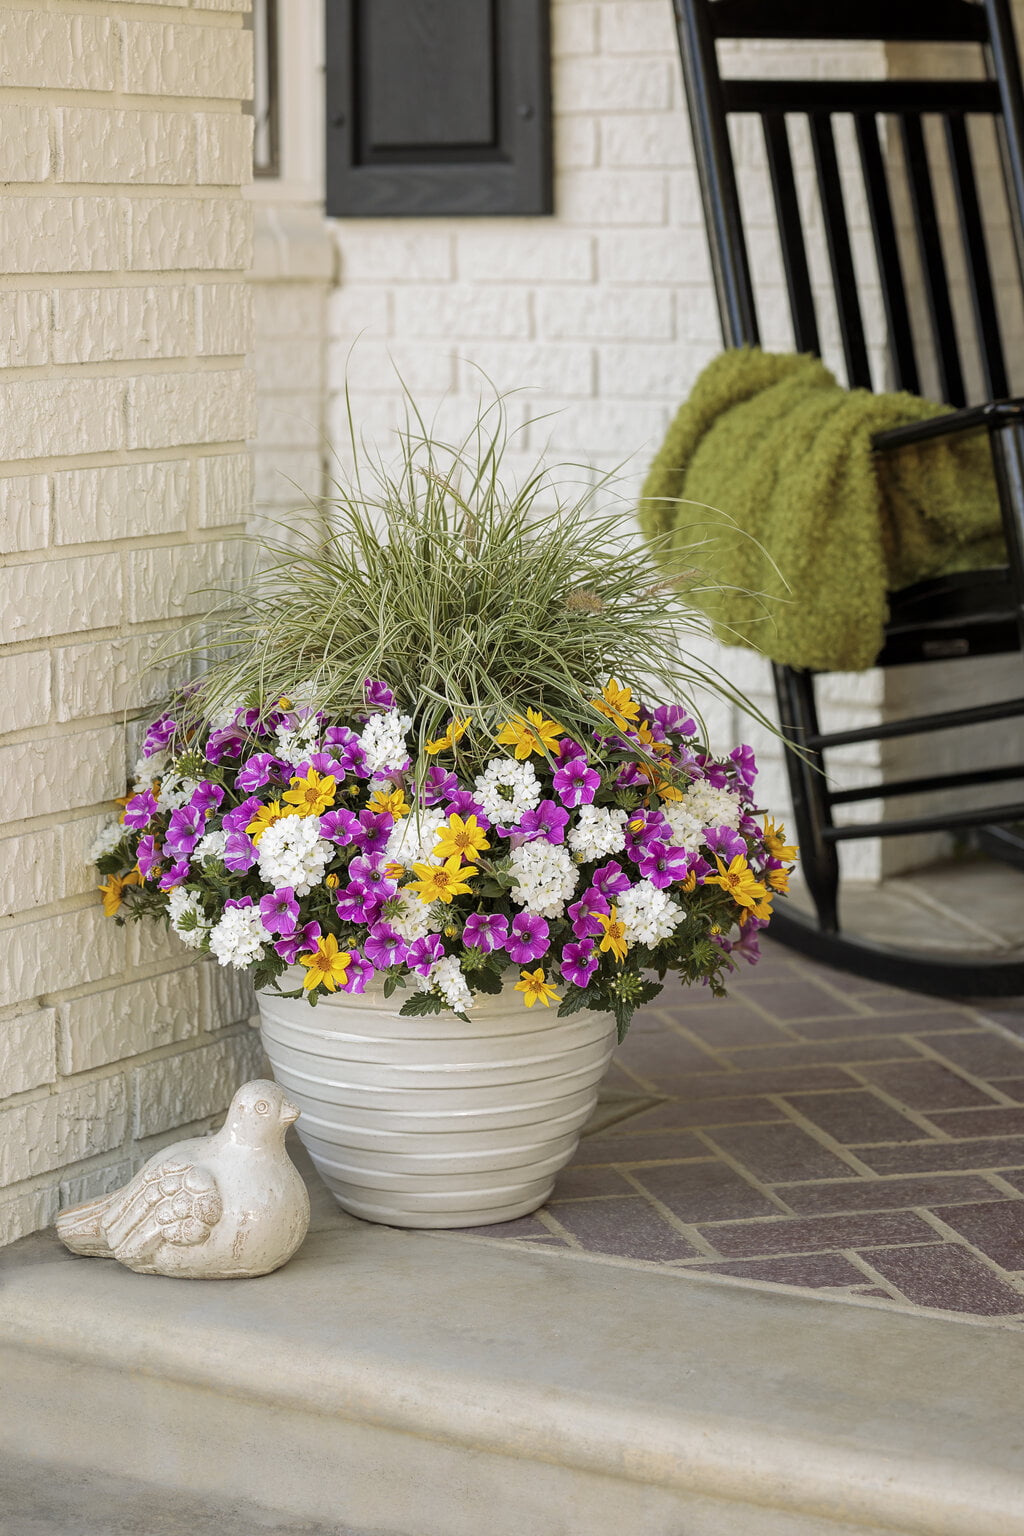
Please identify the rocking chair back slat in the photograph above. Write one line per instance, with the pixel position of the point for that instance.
(979, 275)
(887, 255)
(892, 20)
(933, 262)
(840, 253)
(791, 235)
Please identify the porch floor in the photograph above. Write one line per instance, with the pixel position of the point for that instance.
(813, 1130)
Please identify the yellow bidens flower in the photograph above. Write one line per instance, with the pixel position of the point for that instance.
(618, 705)
(614, 934)
(112, 888)
(390, 802)
(535, 989)
(740, 882)
(267, 816)
(440, 882)
(312, 795)
(534, 734)
(327, 965)
(454, 733)
(775, 841)
(463, 839)
(332, 882)
(778, 879)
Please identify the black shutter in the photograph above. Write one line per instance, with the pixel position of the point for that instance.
(438, 107)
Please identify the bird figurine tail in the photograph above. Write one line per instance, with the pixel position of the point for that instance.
(81, 1228)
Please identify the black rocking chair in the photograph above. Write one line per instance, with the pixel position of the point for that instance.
(975, 613)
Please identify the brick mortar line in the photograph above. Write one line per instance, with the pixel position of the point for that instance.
(228, 21)
(131, 193)
(105, 458)
(986, 1085)
(188, 364)
(745, 1174)
(952, 1236)
(915, 1116)
(686, 1230)
(52, 554)
(170, 277)
(822, 1137)
(145, 971)
(114, 100)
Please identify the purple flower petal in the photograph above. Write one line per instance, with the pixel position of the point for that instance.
(240, 853)
(576, 783)
(485, 931)
(158, 735)
(385, 946)
(301, 942)
(425, 952)
(579, 962)
(529, 937)
(140, 810)
(280, 912)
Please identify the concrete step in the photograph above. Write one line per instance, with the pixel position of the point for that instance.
(46, 1499)
(407, 1384)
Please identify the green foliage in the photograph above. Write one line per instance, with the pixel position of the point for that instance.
(465, 596)
(421, 1003)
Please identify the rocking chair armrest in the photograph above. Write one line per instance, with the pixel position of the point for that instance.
(995, 414)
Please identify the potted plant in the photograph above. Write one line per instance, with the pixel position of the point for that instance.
(442, 801)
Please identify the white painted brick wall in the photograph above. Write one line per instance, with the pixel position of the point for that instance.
(123, 483)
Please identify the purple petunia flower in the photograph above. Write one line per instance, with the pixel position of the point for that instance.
(239, 901)
(579, 962)
(438, 785)
(357, 904)
(747, 946)
(260, 769)
(360, 971)
(377, 694)
(240, 853)
(462, 804)
(714, 772)
(610, 879)
(567, 750)
(239, 819)
(644, 828)
(375, 827)
(385, 946)
(227, 742)
(206, 798)
(280, 912)
(324, 763)
(347, 749)
(547, 821)
(302, 942)
(662, 865)
(581, 914)
(576, 783)
(158, 735)
(485, 931)
(140, 809)
(700, 869)
(746, 764)
(673, 719)
(184, 830)
(370, 871)
(630, 777)
(725, 842)
(147, 856)
(424, 953)
(339, 827)
(175, 875)
(529, 937)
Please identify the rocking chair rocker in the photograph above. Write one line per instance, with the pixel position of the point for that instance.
(973, 613)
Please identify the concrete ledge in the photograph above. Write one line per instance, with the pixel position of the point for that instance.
(410, 1384)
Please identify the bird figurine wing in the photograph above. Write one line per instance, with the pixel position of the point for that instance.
(175, 1202)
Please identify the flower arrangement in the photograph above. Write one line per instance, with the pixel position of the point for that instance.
(505, 803)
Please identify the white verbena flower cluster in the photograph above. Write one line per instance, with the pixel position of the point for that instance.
(210, 847)
(383, 741)
(292, 852)
(106, 838)
(187, 918)
(648, 914)
(147, 769)
(447, 977)
(414, 837)
(599, 830)
(412, 918)
(544, 877)
(294, 742)
(506, 790)
(239, 938)
(175, 790)
(713, 807)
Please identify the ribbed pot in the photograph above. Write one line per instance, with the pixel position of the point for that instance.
(430, 1121)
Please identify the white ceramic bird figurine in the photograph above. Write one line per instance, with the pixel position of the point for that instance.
(211, 1208)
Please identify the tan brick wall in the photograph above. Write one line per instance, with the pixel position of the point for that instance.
(125, 403)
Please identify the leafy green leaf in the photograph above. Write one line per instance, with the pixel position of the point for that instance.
(419, 1004)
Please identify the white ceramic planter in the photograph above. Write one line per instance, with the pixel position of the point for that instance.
(432, 1122)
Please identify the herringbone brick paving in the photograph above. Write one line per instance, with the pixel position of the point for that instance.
(812, 1130)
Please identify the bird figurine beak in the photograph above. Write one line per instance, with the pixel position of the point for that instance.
(289, 1113)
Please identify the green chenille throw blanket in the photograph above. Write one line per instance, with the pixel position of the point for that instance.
(768, 468)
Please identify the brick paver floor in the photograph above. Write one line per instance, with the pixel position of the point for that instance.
(812, 1130)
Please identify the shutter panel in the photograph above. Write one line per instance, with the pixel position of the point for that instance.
(438, 107)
